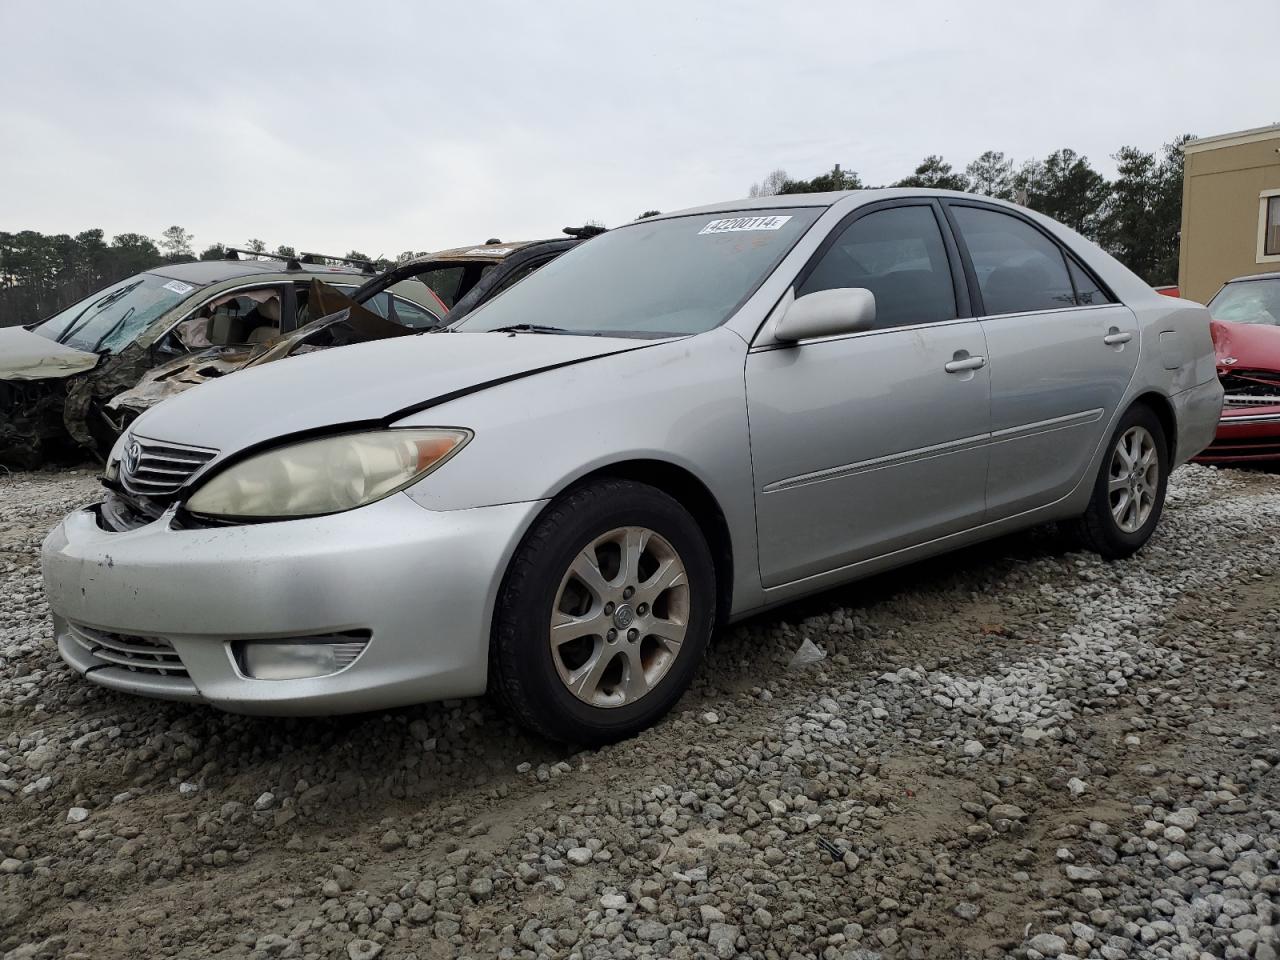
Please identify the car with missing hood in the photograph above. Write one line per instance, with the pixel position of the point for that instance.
(56, 376)
(675, 424)
(459, 280)
(1246, 338)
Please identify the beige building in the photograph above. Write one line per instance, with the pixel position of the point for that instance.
(1230, 210)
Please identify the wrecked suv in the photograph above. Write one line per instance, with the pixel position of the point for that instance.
(56, 376)
(459, 280)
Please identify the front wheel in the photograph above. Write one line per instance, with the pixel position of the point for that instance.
(1128, 495)
(604, 614)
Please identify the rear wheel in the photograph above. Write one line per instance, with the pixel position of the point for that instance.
(1128, 495)
(604, 614)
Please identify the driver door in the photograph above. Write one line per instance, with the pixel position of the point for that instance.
(871, 442)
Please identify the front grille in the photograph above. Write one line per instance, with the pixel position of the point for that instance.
(153, 468)
(139, 654)
(1247, 400)
(1247, 388)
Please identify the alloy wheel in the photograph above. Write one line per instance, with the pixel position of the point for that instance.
(1134, 479)
(619, 618)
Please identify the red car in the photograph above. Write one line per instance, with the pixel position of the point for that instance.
(1246, 339)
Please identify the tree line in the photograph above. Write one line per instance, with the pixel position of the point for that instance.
(41, 274)
(1136, 216)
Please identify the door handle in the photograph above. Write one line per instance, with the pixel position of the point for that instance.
(967, 363)
(1114, 337)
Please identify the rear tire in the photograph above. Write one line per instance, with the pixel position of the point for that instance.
(604, 614)
(1128, 494)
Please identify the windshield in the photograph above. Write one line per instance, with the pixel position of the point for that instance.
(1248, 301)
(113, 318)
(652, 278)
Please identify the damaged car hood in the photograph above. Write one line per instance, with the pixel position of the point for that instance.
(364, 384)
(28, 356)
(1254, 346)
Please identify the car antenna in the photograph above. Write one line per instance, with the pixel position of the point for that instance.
(586, 232)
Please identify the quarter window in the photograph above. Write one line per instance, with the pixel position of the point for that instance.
(1019, 269)
(898, 255)
(1088, 293)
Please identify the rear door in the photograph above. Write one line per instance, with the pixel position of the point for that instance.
(1062, 353)
(867, 443)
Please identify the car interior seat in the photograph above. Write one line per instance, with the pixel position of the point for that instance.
(267, 317)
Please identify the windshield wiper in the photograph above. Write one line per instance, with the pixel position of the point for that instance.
(98, 306)
(529, 328)
(97, 344)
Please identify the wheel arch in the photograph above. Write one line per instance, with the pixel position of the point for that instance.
(1159, 405)
(691, 493)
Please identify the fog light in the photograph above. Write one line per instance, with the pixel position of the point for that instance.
(298, 658)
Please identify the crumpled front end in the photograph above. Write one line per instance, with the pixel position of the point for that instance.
(170, 379)
(30, 421)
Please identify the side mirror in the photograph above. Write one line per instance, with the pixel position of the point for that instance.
(826, 313)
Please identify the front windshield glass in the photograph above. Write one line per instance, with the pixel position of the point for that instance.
(113, 318)
(1248, 301)
(652, 278)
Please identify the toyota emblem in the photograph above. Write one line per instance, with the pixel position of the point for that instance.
(132, 453)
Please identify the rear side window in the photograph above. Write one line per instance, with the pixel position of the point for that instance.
(1019, 269)
(898, 255)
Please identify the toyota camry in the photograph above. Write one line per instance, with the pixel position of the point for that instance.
(677, 423)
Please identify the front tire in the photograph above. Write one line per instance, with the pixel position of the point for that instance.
(1128, 494)
(604, 614)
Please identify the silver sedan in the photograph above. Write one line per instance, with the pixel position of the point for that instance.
(677, 423)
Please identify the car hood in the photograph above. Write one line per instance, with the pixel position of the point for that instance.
(1247, 346)
(28, 356)
(365, 384)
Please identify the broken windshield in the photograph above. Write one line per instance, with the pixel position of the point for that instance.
(653, 278)
(113, 318)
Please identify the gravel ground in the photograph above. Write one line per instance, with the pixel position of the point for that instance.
(1015, 751)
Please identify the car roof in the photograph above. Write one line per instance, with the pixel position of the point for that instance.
(822, 200)
(484, 252)
(204, 272)
(1255, 276)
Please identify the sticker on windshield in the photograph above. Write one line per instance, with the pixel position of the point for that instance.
(736, 224)
(488, 252)
(178, 287)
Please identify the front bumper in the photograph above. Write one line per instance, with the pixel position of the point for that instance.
(1245, 434)
(421, 583)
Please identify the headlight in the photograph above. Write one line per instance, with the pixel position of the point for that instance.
(326, 476)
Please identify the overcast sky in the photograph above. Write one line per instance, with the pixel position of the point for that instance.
(386, 127)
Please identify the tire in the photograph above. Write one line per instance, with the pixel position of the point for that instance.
(1101, 528)
(626, 665)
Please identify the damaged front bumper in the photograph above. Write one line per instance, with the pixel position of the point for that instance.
(163, 611)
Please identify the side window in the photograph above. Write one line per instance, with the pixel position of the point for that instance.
(1088, 293)
(898, 255)
(401, 311)
(234, 319)
(412, 315)
(1018, 267)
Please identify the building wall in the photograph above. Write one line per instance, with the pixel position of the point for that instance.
(1220, 201)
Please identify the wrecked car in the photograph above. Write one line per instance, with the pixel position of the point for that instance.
(57, 375)
(459, 279)
(675, 424)
(1246, 340)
